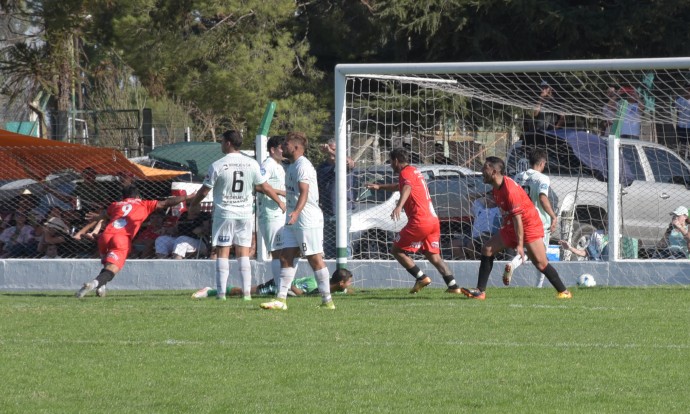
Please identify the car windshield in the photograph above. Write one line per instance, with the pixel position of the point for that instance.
(365, 195)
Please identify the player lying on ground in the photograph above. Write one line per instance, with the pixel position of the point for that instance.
(340, 281)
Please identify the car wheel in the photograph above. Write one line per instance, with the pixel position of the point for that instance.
(582, 234)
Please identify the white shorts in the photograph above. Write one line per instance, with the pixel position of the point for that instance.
(309, 241)
(271, 232)
(185, 245)
(229, 232)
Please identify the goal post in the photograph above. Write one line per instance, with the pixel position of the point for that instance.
(459, 113)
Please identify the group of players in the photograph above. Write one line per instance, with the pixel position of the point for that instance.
(291, 223)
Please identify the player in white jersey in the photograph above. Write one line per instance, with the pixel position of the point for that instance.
(233, 179)
(537, 186)
(271, 217)
(303, 231)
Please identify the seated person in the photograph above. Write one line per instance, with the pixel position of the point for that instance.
(597, 248)
(55, 232)
(51, 252)
(485, 224)
(340, 280)
(18, 240)
(144, 244)
(191, 230)
(675, 243)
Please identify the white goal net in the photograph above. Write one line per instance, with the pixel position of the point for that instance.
(452, 116)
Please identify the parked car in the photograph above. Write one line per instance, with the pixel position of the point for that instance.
(654, 182)
(371, 229)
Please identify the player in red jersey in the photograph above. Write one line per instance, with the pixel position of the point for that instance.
(522, 230)
(422, 230)
(125, 218)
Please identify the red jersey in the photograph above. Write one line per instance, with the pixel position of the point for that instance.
(514, 201)
(126, 216)
(418, 206)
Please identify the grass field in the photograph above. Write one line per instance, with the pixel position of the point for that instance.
(609, 350)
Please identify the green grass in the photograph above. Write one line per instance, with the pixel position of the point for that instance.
(609, 350)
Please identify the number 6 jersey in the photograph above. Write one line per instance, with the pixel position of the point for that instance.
(232, 179)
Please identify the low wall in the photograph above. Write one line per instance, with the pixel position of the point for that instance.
(69, 274)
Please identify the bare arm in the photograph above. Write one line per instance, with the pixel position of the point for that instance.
(279, 192)
(392, 187)
(579, 252)
(546, 204)
(198, 196)
(273, 195)
(404, 195)
(301, 202)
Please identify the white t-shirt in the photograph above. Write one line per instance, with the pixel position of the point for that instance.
(274, 173)
(535, 183)
(232, 179)
(683, 108)
(302, 171)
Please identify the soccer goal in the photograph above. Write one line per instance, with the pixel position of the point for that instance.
(615, 131)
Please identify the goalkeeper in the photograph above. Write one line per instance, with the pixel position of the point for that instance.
(340, 281)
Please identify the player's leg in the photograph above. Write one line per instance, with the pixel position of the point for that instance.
(222, 233)
(537, 253)
(547, 238)
(288, 254)
(114, 251)
(489, 250)
(244, 232)
(311, 241)
(407, 241)
(432, 252)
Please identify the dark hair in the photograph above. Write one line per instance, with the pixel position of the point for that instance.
(301, 137)
(341, 275)
(131, 191)
(275, 141)
(497, 164)
(233, 137)
(400, 155)
(537, 155)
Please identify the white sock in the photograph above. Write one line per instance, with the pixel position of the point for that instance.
(287, 275)
(246, 273)
(324, 284)
(275, 269)
(516, 262)
(222, 273)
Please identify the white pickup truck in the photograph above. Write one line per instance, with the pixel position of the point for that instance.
(655, 181)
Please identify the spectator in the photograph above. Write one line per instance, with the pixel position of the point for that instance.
(18, 239)
(328, 197)
(609, 110)
(194, 230)
(544, 118)
(683, 123)
(486, 222)
(165, 242)
(51, 252)
(144, 244)
(55, 231)
(630, 126)
(597, 249)
(675, 243)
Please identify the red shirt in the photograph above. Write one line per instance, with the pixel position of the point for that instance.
(126, 216)
(513, 201)
(418, 206)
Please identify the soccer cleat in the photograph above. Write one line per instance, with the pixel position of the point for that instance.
(100, 292)
(274, 305)
(564, 295)
(454, 290)
(327, 305)
(420, 284)
(221, 297)
(201, 293)
(86, 288)
(246, 298)
(507, 274)
(473, 293)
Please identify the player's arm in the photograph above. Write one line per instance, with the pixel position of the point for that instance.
(195, 200)
(404, 195)
(546, 204)
(386, 187)
(579, 252)
(266, 188)
(279, 192)
(301, 202)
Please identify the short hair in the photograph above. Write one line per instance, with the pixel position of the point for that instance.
(275, 141)
(400, 155)
(300, 137)
(131, 191)
(497, 164)
(537, 155)
(341, 275)
(233, 137)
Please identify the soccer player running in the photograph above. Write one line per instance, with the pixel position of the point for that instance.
(303, 232)
(521, 230)
(537, 185)
(271, 216)
(233, 179)
(114, 244)
(423, 230)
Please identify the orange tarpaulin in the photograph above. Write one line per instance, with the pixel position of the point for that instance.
(158, 173)
(22, 156)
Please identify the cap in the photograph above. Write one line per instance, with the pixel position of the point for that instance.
(680, 211)
(544, 83)
(57, 223)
